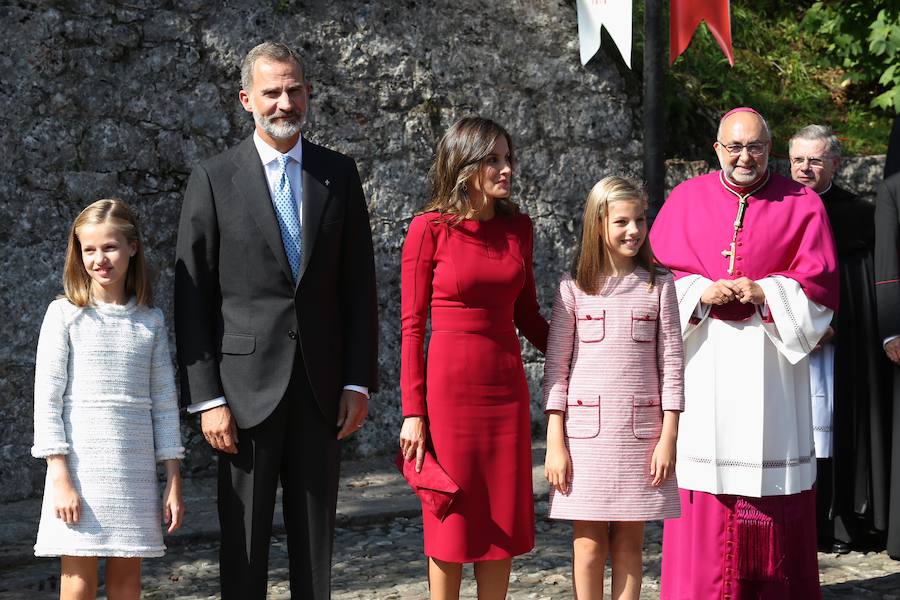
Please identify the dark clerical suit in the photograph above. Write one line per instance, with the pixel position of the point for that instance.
(887, 292)
(280, 354)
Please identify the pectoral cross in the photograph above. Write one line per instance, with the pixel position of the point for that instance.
(731, 251)
(729, 254)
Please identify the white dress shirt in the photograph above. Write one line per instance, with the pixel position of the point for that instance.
(269, 158)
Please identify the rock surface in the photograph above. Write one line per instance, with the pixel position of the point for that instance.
(121, 99)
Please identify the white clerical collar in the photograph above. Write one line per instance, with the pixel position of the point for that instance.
(825, 191)
(267, 153)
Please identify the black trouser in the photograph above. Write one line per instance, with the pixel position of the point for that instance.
(830, 528)
(296, 445)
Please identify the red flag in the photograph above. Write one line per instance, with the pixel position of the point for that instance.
(686, 16)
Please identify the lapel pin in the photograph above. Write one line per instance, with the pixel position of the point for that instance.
(327, 183)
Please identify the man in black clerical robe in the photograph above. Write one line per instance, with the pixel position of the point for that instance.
(887, 287)
(851, 485)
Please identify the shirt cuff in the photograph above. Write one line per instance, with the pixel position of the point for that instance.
(889, 339)
(358, 388)
(206, 405)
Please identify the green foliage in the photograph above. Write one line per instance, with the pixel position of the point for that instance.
(784, 69)
(867, 46)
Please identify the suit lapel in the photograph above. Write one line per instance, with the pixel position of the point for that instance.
(315, 198)
(250, 181)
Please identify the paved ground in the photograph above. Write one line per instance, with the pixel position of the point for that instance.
(378, 551)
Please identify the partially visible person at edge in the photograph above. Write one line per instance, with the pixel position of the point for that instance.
(467, 260)
(277, 328)
(756, 276)
(887, 293)
(847, 366)
(613, 391)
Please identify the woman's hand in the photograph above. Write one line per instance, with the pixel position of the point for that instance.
(412, 440)
(173, 505)
(66, 501)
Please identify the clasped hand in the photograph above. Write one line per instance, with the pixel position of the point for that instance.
(723, 291)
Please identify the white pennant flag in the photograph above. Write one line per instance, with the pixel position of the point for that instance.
(615, 15)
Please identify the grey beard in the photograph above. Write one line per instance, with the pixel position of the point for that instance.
(280, 131)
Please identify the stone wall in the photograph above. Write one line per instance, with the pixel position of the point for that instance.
(106, 98)
(120, 99)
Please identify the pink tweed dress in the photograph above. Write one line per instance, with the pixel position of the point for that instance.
(615, 362)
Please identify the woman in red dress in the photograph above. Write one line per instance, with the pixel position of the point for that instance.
(468, 259)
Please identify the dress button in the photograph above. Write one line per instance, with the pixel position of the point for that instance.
(588, 317)
(292, 334)
(740, 243)
(580, 403)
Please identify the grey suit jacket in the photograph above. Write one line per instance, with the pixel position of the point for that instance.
(239, 319)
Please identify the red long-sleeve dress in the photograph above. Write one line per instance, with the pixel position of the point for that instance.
(477, 280)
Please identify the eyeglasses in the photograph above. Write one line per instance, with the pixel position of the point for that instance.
(814, 161)
(754, 148)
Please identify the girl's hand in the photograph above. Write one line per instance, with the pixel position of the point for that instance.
(412, 440)
(662, 463)
(66, 501)
(173, 505)
(558, 468)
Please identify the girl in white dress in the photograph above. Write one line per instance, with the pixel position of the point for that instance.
(105, 411)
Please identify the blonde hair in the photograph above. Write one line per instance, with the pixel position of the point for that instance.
(118, 215)
(591, 258)
(460, 155)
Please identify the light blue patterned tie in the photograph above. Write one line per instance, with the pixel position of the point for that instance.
(288, 219)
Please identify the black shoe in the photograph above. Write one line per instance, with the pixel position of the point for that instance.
(840, 547)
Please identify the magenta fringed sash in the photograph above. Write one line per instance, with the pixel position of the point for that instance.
(759, 551)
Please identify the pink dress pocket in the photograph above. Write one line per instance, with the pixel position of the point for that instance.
(647, 417)
(583, 418)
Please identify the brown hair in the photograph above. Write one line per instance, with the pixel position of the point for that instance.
(591, 258)
(117, 214)
(460, 155)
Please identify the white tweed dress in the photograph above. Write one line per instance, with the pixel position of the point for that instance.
(104, 395)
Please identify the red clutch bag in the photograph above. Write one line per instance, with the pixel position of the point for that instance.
(432, 485)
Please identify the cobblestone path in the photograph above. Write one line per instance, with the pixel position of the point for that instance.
(384, 561)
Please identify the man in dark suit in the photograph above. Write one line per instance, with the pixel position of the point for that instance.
(276, 322)
(887, 287)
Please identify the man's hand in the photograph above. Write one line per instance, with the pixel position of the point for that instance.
(826, 337)
(892, 349)
(720, 292)
(748, 291)
(412, 440)
(219, 429)
(352, 411)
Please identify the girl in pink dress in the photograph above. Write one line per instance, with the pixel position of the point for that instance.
(613, 391)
